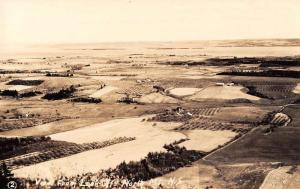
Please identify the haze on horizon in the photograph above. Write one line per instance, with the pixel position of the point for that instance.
(87, 21)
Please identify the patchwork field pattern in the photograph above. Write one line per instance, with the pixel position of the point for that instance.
(215, 114)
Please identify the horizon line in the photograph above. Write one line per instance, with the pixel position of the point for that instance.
(161, 41)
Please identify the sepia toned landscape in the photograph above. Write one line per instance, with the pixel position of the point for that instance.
(195, 114)
(139, 94)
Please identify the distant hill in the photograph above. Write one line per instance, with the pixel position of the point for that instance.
(259, 43)
(181, 44)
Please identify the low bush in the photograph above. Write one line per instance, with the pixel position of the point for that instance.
(13, 144)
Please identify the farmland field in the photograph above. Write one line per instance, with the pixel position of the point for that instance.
(214, 116)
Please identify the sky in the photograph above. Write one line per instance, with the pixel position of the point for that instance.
(86, 21)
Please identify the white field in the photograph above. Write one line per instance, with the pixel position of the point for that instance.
(129, 127)
(34, 77)
(3, 86)
(157, 98)
(222, 92)
(148, 139)
(184, 91)
(280, 179)
(297, 89)
(207, 140)
(103, 91)
(19, 87)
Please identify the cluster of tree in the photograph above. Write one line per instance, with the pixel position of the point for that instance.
(179, 141)
(279, 63)
(56, 149)
(12, 71)
(5, 176)
(159, 88)
(264, 73)
(16, 94)
(49, 74)
(183, 63)
(29, 94)
(268, 118)
(154, 165)
(264, 61)
(87, 100)
(25, 82)
(232, 61)
(175, 114)
(127, 100)
(61, 94)
(12, 144)
(157, 164)
(26, 154)
(285, 61)
(12, 93)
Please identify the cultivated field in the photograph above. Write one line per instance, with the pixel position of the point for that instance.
(220, 114)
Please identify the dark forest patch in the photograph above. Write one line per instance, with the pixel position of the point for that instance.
(86, 100)
(263, 62)
(16, 94)
(25, 82)
(56, 74)
(264, 73)
(61, 94)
